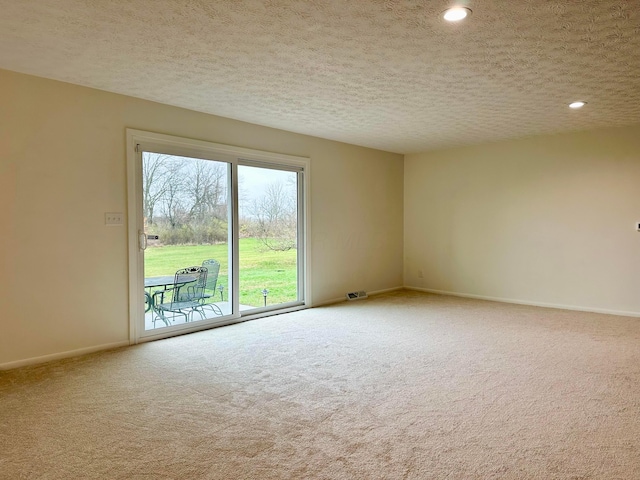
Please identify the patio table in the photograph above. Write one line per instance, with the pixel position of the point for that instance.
(163, 281)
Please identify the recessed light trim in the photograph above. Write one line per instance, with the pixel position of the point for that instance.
(455, 14)
(576, 105)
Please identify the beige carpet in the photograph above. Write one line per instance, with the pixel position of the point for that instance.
(400, 386)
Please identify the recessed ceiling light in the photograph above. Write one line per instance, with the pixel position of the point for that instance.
(575, 105)
(455, 14)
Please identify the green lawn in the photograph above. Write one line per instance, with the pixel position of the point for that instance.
(259, 268)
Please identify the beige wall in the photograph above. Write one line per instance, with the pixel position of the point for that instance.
(63, 274)
(547, 220)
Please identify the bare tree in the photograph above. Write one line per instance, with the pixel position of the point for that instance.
(206, 190)
(180, 191)
(217, 192)
(153, 183)
(173, 199)
(275, 216)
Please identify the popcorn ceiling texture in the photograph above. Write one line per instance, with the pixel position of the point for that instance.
(385, 74)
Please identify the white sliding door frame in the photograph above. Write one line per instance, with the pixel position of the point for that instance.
(139, 141)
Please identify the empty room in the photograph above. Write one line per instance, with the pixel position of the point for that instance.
(251, 239)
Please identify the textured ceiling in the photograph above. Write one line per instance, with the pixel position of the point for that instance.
(388, 74)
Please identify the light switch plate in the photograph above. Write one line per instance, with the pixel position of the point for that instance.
(113, 218)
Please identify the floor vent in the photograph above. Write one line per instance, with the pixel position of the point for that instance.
(357, 295)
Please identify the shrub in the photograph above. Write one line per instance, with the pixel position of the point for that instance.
(208, 232)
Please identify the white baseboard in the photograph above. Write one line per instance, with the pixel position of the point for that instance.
(385, 290)
(344, 299)
(109, 346)
(58, 356)
(525, 302)
(329, 302)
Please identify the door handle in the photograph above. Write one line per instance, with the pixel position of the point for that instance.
(142, 241)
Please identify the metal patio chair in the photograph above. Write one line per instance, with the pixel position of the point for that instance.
(183, 298)
(209, 291)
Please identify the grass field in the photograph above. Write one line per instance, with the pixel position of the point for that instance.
(259, 268)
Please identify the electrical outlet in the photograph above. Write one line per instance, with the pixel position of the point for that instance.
(420, 274)
(113, 218)
(638, 226)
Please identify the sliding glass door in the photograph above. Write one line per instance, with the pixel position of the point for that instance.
(216, 233)
(187, 232)
(269, 244)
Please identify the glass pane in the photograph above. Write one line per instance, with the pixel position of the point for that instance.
(268, 211)
(186, 220)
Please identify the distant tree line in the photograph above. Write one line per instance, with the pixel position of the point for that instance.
(185, 200)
